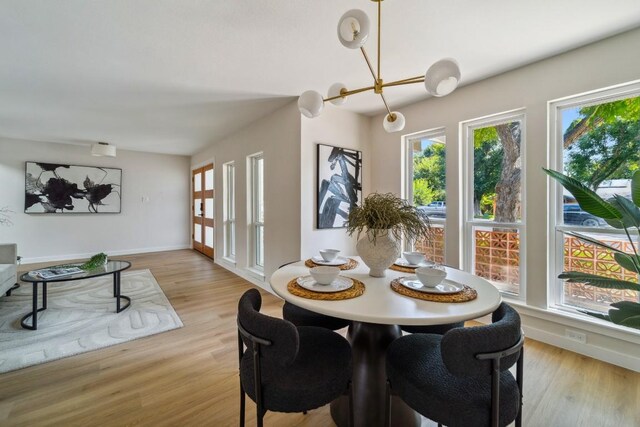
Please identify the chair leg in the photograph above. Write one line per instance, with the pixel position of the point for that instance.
(519, 375)
(242, 399)
(304, 412)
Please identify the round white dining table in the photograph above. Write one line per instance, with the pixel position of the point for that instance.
(376, 316)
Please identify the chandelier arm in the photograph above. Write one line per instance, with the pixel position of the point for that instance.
(404, 82)
(366, 58)
(385, 103)
(379, 27)
(350, 92)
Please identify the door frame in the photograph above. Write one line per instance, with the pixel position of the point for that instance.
(201, 247)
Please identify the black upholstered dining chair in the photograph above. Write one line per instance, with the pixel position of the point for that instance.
(302, 317)
(285, 368)
(461, 378)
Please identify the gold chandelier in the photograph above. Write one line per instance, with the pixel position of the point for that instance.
(441, 78)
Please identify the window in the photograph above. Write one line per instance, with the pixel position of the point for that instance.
(229, 214)
(595, 139)
(425, 186)
(493, 223)
(256, 183)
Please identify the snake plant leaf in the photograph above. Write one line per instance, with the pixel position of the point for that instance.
(593, 241)
(633, 307)
(598, 281)
(628, 262)
(588, 200)
(630, 212)
(635, 188)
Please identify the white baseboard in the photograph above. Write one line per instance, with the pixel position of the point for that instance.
(246, 275)
(66, 257)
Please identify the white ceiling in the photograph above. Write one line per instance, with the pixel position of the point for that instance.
(172, 76)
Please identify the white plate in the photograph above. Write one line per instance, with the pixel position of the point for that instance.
(339, 284)
(340, 260)
(446, 287)
(404, 263)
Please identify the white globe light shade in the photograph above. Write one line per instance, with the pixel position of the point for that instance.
(310, 104)
(334, 90)
(395, 125)
(442, 78)
(357, 21)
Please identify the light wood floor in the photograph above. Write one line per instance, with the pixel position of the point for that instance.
(188, 376)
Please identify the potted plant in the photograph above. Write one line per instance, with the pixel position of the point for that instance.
(385, 219)
(621, 213)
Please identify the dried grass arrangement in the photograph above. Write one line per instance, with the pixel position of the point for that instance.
(383, 213)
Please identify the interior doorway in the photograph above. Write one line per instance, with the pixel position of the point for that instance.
(202, 233)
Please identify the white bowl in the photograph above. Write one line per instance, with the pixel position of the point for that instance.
(413, 258)
(324, 275)
(329, 254)
(430, 277)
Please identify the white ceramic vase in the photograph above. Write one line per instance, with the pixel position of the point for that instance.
(380, 255)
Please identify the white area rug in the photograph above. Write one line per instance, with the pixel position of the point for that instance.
(81, 317)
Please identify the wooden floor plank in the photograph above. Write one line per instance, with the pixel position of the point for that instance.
(188, 376)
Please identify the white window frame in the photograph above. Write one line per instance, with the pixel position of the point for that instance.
(256, 227)
(407, 140)
(229, 210)
(467, 240)
(555, 246)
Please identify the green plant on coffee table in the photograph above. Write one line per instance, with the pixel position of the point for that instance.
(620, 213)
(383, 213)
(98, 260)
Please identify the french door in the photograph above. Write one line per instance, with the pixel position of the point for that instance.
(202, 210)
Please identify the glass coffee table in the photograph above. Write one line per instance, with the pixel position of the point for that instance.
(111, 267)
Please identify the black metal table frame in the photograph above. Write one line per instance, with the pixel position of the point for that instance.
(35, 310)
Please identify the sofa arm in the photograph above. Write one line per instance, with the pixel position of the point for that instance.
(8, 253)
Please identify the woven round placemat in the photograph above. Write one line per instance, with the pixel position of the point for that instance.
(403, 269)
(467, 294)
(355, 291)
(350, 265)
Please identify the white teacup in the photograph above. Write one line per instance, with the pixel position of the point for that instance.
(430, 276)
(329, 254)
(324, 275)
(413, 258)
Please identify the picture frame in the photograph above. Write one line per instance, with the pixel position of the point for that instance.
(339, 184)
(55, 188)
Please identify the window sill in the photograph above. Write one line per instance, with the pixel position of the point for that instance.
(575, 320)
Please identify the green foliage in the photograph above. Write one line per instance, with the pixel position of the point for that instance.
(381, 213)
(626, 215)
(429, 170)
(98, 260)
(612, 149)
(487, 159)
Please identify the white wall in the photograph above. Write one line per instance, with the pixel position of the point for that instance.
(609, 62)
(342, 129)
(278, 137)
(162, 223)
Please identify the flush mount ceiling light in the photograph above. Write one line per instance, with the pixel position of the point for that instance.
(441, 78)
(103, 149)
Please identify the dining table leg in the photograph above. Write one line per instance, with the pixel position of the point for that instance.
(369, 342)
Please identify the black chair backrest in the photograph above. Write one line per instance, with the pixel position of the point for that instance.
(461, 345)
(282, 334)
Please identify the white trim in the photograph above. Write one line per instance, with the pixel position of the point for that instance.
(555, 149)
(468, 222)
(245, 274)
(67, 257)
(252, 223)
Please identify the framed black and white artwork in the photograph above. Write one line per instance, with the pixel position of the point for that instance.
(68, 189)
(339, 184)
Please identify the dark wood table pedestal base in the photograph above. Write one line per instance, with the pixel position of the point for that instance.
(369, 343)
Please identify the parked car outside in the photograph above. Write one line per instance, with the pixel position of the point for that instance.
(574, 215)
(437, 209)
